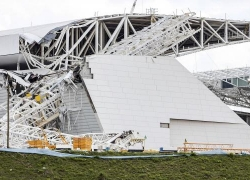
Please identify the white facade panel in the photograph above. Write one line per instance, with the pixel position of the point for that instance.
(9, 44)
(142, 92)
(209, 132)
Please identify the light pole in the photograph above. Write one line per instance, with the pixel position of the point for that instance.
(8, 113)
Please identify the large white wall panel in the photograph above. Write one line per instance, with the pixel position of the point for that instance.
(9, 44)
(209, 132)
(139, 93)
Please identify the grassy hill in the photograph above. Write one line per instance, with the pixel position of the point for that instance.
(30, 166)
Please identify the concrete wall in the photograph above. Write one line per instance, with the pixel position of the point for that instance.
(209, 132)
(139, 93)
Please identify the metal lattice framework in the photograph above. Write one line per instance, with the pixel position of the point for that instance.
(155, 39)
(192, 34)
(35, 108)
(132, 34)
(121, 140)
(64, 48)
(236, 96)
(34, 111)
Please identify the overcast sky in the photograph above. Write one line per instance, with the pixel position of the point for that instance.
(21, 13)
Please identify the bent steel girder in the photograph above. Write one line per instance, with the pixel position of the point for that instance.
(122, 34)
(201, 34)
(20, 134)
(81, 38)
(34, 108)
(155, 39)
(109, 34)
(33, 112)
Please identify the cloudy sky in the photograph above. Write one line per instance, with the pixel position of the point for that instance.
(22, 13)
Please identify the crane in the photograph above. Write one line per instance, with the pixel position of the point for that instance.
(133, 7)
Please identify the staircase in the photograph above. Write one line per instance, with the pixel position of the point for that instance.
(81, 117)
(86, 72)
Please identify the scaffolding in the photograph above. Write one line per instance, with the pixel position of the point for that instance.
(201, 147)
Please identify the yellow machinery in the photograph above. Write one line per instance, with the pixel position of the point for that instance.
(83, 143)
(42, 144)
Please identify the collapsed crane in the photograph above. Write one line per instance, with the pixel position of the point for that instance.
(37, 103)
(34, 111)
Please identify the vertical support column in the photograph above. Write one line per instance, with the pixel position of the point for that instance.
(101, 38)
(96, 37)
(126, 27)
(226, 31)
(67, 49)
(42, 53)
(202, 34)
(8, 112)
(76, 39)
(177, 49)
(248, 30)
(18, 65)
(72, 40)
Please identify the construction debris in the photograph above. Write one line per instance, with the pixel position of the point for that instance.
(37, 103)
(36, 109)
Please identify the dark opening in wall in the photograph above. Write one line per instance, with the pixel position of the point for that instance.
(164, 125)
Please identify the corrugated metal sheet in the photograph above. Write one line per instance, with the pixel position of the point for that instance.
(83, 119)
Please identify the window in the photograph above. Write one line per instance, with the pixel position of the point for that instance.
(164, 125)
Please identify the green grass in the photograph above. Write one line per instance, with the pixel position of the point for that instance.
(113, 153)
(28, 166)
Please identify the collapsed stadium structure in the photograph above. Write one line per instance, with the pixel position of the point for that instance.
(110, 77)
